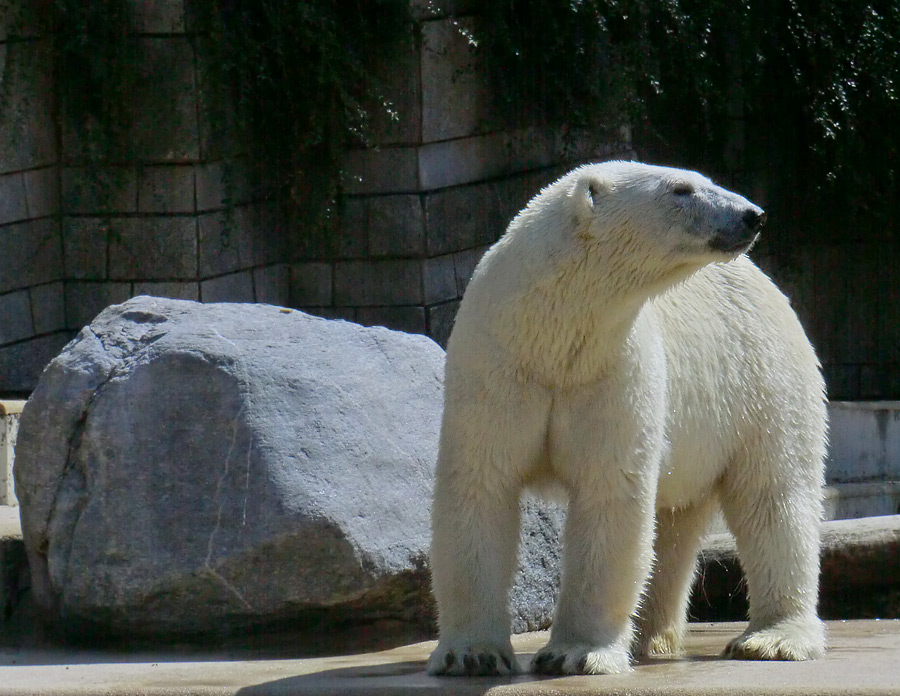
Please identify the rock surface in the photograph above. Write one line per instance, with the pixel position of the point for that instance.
(193, 469)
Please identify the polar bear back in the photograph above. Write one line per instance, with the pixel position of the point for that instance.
(739, 370)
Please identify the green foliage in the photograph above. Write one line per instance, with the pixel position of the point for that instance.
(814, 80)
(301, 80)
(96, 62)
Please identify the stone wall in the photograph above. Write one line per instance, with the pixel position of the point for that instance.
(32, 299)
(421, 205)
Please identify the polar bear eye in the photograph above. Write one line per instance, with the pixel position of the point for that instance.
(682, 189)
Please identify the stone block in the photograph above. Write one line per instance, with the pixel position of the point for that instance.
(406, 319)
(440, 321)
(153, 248)
(864, 440)
(311, 284)
(27, 130)
(166, 189)
(165, 124)
(222, 184)
(385, 170)
(22, 363)
(460, 218)
(848, 279)
(159, 17)
(463, 161)
(13, 206)
(513, 193)
(439, 279)
(42, 192)
(879, 381)
(272, 284)
(375, 283)
(21, 19)
(10, 413)
(353, 228)
(396, 226)
(15, 317)
(235, 287)
(30, 254)
(464, 264)
(99, 190)
(268, 230)
(397, 119)
(171, 290)
(842, 381)
(454, 89)
(225, 244)
(85, 300)
(48, 307)
(85, 246)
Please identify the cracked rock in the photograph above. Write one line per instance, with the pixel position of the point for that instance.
(188, 469)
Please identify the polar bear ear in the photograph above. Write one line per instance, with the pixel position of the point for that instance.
(592, 190)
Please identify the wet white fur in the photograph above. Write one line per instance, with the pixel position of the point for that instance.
(603, 346)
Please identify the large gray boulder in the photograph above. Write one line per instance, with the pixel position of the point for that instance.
(192, 469)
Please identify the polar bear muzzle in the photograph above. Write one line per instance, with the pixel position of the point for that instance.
(741, 234)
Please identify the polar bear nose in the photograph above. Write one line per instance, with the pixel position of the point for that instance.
(754, 219)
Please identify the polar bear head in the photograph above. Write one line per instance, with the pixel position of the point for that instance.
(673, 214)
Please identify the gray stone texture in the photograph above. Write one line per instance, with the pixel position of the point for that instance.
(311, 284)
(368, 283)
(154, 248)
(85, 300)
(176, 137)
(225, 244)
(85, 247)
(36, 252)
(172, 290)
(27, 133)
(284, 467)
(396, 226)
(166, 189)
(408, 319)
(454, 94)
(462, 217)
(234, 287)
(48, 307)
(440, 321)
(159, 16)
(12, 198)
(15, 317)
(271, 284)
(99, 190)
(22, 363)
(439, 279)
(42, 192)
(464, 264)
(386, 170)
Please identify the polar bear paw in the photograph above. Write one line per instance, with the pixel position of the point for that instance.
(667, 643)
(581, 659)
(466, 660)
(787, 640)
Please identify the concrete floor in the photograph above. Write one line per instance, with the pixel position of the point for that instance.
(863, 658)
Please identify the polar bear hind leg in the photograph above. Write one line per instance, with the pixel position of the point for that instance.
(776, 526)
(662, 615)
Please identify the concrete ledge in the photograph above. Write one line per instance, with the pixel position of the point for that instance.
(10, 411)
(862, 659)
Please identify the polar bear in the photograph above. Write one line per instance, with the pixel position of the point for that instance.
(617, 342)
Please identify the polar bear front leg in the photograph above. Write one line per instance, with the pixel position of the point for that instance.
(777, 535)
(487, 445)
(607, 555)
